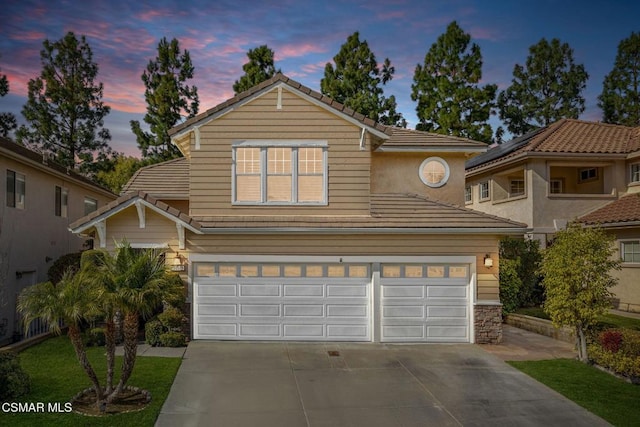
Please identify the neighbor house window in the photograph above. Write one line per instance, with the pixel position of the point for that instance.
(587, 174)
(280, 173)
(90, 205)
(16, 189)
(635, 172)
(468, 194)
(484, 190)
(62, 202)
(434, 172)
(516, 187)
(631, 251)
(556, 186)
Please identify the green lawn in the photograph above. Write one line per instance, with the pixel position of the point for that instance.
(602, 394)
(57, 376)
(607, 321)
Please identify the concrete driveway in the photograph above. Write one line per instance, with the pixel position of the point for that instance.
(308, 384)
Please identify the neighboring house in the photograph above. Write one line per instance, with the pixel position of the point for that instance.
(295, 218)
(622, 218)
(39, 201)
(559, 173)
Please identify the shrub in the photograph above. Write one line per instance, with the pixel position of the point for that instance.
(62, 264)
(172, 339)
(94, 337)
(152, 331)
(510, 286)
(171, 318)
(618, 350)
(14, 381)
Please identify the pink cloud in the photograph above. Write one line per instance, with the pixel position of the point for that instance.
(28, 36)
(297, 50)
(491, 34)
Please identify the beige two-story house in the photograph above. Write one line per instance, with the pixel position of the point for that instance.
(39, 199)
(570, 170)
(295, 218)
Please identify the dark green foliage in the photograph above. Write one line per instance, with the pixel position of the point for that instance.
(119, 173)
(64, 110)
(7, 120)
(356, 82)
(527, 257)
(450, 100)
(152, 331)
(510, 285)
(260, 67)
(94, 337)
(171, 318)
(168, 97)
(620, 98)
(172, 339)
(61, 265)
(14, 381)
(548, 88)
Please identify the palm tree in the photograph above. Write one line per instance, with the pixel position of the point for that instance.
(134, 283)
(73, 301)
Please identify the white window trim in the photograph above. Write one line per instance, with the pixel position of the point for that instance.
(294, 144)
(524, 187)
(470, 193)
(631, 180)
(622, 242)
(444, 179)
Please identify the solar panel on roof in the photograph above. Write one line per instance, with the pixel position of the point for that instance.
(502, 149)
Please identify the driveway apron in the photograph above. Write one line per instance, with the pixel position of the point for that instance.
(368, 384)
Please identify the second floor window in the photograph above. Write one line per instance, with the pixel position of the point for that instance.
(62, 202)
(90, 205)
(468, 195)
(516, 187)
(630, 251)
(16, 189)
(635, 172)
(282, 173)
(484, 190)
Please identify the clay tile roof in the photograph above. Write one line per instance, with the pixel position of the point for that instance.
(265, 85)
(624, 210)
(166, 180)
(565, 136)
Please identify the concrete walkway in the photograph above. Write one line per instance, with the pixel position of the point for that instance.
(368, 384)
(518, 344)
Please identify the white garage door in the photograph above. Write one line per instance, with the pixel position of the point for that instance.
(425, 303)
(276, 301)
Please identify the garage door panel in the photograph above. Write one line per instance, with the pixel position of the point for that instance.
(447, 332)
(403, 311)
(447, 312)
(347, 311)
(447, 291)
(351, 332)
(217, 309)
(304, 331)
(346, 291)
(248, 330)
(209, 289)
(304, 291)
(260, 290)
(306, 310)
(259, 310)
(403, 332)
(217, 329)
(399, 291)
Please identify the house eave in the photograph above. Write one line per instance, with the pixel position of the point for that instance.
(430, 149)
(366, 230)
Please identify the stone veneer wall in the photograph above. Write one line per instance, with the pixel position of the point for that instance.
(488, 323)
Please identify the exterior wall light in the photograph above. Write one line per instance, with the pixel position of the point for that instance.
(178, 263)
(488, 262)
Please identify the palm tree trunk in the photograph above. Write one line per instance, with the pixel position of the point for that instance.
(110, 346)
(130, 349)
(81, 354)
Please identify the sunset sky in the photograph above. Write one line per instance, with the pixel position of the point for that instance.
(305, 35)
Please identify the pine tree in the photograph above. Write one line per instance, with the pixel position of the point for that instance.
(64, 109)
(620, 98)
(168, 98)
(356, 80)
(548, 88)
(7, 120)
(260, 67)
(450, 100)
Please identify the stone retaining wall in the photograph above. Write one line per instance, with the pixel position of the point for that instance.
(541, 326)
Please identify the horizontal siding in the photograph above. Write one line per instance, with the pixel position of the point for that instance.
(349, 168)
(125, 226)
